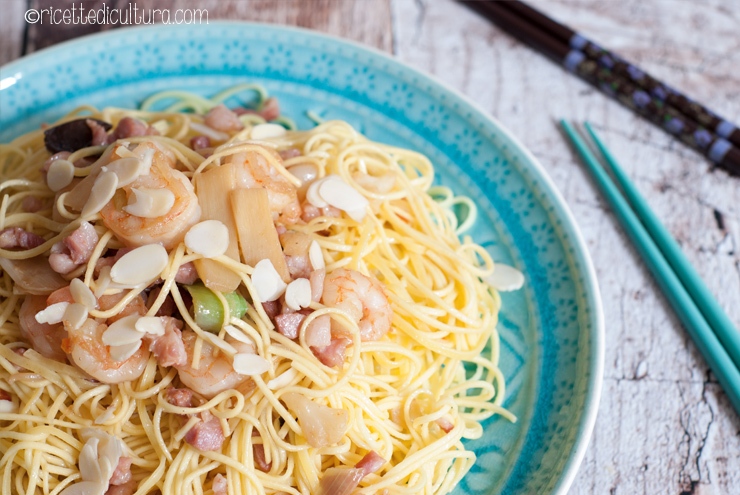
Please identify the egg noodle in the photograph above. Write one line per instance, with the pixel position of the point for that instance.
(436, 366)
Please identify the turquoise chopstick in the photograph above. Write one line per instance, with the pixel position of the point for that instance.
(700, 293)
(701, 333)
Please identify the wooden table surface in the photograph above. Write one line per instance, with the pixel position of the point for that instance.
(664, 425)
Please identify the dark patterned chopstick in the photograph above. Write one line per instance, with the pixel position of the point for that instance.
(622, 68)
(554, 40)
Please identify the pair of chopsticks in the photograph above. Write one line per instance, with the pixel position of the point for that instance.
(707, 324)
(685, 119)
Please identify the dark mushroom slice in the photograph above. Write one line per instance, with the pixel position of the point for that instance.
(71, 136)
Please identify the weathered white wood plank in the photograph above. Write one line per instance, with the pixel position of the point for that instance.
(12, 27)
(664, 426)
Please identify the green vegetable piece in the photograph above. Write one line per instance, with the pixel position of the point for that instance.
(208, 311)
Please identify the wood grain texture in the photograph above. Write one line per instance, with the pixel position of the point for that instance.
(12, 28)
(664, 426)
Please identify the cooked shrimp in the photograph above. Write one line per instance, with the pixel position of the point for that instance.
(281, 194)
(215, 372)
(85, 348)
(362, 298)
(168, 229)
(44, 338)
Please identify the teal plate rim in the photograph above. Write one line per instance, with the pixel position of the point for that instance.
(19, 116)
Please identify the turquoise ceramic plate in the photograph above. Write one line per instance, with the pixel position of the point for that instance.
(551, 331)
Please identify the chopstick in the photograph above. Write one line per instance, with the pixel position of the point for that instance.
(699, 292)
(622, 68)
(617, 79)
(709, 345)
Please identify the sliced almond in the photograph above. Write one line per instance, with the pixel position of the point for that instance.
(250, 364)
(209, 238)
(505, 278)
(75, 315)
(313, 196)
(341, 195)
(121, 353)
(140, 266)
(88, 461)
(207, 131)
(123, 332)
(102, 192)
(82, 294)
(150, 324)
(86, 488)
(267, 281)
(103, 281)
(267, 131)
(316, 256)
(7, 406)
(52, 314)
(236, 334)
(60, 174)
(126, 169)
(304, 172)
(145, 153)
(298, 294)
(150, 203)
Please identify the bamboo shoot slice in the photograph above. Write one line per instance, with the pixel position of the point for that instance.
(212, 188)
(258, 238)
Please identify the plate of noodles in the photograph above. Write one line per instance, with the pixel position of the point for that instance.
(240, 258)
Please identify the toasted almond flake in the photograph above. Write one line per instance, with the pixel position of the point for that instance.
(313, 196)
(316, 256)
(250, 364)
(103, 281)
(267, 281)
(140, 266)
(101, 193)
(150, 324)
(82, 294)
(52, 314)
(283, 379)
(122, 332)
(238, 335)
(88, 461)
(123, 352)
(341, 195)
(126, 169)
(267, 131)
(76, 315)
(7, 406)
(505, 278)
(209, 238)
(60, 174)
(150, 203)
(298, 294)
